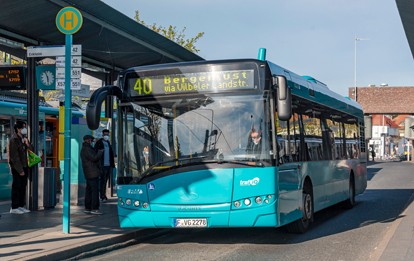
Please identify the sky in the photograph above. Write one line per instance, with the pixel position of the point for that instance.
(308, 37)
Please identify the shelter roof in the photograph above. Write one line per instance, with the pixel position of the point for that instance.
(406, 10)
(109, 39)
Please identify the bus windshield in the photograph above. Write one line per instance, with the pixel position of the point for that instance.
(161, 135)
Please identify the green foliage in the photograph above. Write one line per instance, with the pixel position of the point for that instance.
(172, 33)
(50, 95)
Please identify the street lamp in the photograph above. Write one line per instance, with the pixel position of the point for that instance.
(355, 64)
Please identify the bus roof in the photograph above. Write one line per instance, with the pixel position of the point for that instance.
(316, 91)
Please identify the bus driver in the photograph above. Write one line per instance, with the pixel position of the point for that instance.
(254, 145)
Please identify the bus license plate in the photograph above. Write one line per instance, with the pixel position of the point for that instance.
(190, 222)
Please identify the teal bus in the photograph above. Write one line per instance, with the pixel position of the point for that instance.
(185, 133)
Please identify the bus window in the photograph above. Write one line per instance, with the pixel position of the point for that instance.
(336, 128)
(352, 137)
(186, 130)
(288, 140)
(4, 137)
(41, 143)
(51, 143)
(313, 135)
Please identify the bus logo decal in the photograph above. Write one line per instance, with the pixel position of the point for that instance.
(134, 191)
(151, 186)
(250, 182)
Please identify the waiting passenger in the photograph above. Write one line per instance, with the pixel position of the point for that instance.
(107, 163)
(18, 146)
(91, 169)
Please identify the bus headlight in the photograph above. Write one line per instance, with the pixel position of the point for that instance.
(259, 200)
(128, 202)
(247, 202)
(145, 205)
(136, 203)
(237, 204)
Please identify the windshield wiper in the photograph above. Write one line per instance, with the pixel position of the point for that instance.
(157, 167)
(245, 163)
(192, 161)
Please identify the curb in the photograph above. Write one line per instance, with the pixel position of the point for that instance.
(76, 252)
(70, 252)
(129, 240)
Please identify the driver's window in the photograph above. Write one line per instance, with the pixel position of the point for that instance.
(131, 164)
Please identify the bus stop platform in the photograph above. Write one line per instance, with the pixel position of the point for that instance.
(38, 235)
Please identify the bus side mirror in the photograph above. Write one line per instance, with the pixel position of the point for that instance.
(284, 99)
(93, 109)
(282, 88)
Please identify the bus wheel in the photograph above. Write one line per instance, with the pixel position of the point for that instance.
(350, 202)
(300, 226)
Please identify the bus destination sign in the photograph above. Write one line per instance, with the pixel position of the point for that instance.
(213, 81)
(12, 78)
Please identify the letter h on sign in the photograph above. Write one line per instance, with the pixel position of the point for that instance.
(67, 20)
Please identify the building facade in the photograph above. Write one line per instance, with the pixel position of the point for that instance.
(389, 107)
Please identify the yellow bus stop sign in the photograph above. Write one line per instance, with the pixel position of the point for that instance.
(69, 20)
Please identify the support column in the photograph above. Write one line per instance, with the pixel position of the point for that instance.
(33, 130)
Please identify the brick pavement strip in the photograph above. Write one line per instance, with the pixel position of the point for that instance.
(39, 236)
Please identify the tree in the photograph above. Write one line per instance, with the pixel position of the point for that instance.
(172, 33)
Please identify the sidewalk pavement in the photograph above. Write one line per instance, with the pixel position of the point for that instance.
(38, 235)
(400, 246)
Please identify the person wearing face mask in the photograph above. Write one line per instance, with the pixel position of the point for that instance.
(17, 147)
(92, 170)
(107, 162)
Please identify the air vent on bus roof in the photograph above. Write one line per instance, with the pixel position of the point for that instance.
(311, 79)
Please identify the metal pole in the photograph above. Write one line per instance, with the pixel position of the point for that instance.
(33, 124)
(355, 63)
(355, 67)
(67, 136)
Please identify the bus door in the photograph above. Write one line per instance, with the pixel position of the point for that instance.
(51, 142)
(51, 149)
(288, 146)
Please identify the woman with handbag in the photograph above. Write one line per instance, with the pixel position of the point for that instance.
(18, 146)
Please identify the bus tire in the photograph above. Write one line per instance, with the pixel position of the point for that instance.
(350, 202)
(300, 226)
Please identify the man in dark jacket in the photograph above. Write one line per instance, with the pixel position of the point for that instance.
(18, 146)
(91, 169)
(107, 162)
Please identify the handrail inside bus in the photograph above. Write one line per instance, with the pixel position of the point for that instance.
(93, 110)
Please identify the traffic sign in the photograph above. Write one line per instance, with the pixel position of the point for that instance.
(75, 84)
(75, 72)
(49, 51)
(76, 61)
(69, 20)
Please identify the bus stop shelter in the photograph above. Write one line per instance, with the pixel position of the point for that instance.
(110, 43)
